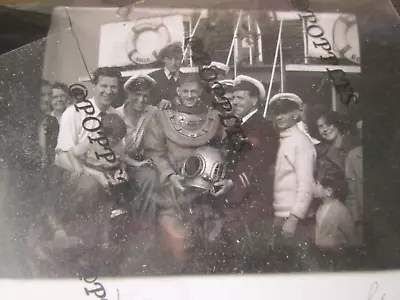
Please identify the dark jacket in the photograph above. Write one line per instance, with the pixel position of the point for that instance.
(22, 141)
(333, 157)
(163, 89)
(252, 173)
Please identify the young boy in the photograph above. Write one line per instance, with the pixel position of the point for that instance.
(112, 175)
(335, 228)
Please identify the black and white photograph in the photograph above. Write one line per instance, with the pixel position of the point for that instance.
(143, 141)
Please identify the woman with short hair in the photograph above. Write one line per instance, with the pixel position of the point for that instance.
(336, 143)
(60, 100)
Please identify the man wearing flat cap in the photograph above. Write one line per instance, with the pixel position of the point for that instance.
(249, 204)
(167, 77)
(293, 184)
(137, 115)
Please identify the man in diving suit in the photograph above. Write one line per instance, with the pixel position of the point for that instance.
(172, 137)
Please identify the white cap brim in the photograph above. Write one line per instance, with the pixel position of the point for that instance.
(132, 78)
(228, 82)
(220, 66)
(253, 81)
(287, 96)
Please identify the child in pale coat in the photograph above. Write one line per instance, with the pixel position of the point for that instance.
(335, 229)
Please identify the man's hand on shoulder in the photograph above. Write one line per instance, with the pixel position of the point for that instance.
(165, 104)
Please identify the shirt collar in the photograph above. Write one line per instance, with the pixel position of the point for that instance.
(125, 114)
(168, 74)
(246, 118)
(57, 117)
(97, 110)
(290, 131)
(303, 127)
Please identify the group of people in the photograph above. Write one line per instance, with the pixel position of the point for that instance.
(163, 160)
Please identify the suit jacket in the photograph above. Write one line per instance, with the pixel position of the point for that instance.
(336, 228)
(252, 173)
(40, 135)
(163, 89)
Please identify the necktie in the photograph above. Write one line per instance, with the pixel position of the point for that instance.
(172, 80)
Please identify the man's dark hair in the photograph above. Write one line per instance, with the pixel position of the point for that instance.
(61, 86)
(337, 181)
(106, 72)
(113, 126)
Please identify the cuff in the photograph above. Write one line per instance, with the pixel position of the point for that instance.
(244, 180)
(299, 212)
(165, 174)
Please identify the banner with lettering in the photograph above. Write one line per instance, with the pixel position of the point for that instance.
(138, 42)
(333, 32)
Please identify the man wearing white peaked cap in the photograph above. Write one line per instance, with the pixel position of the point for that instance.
(137, 114)
(248, 92)
(297, 100)
(251, 172)
(293, 183)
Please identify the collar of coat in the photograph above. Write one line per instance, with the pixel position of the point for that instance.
(294, 130)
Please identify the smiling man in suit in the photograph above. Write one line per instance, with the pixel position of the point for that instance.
(248, 206)
(167, 77)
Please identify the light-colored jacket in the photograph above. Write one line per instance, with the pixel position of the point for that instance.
(335, 226)
(294, 174)
(354, 174)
